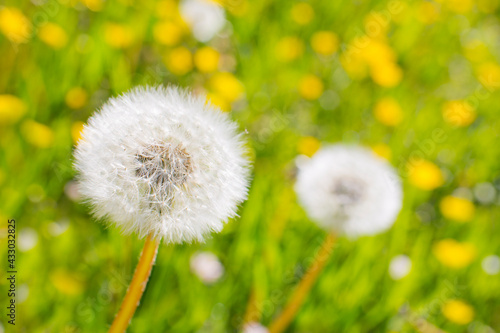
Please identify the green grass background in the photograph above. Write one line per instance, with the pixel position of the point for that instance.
(268, 247)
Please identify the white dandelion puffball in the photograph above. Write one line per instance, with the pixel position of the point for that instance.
(254, 327)
(206, 18)
(161, 162)
(206, 266)
(349, 190)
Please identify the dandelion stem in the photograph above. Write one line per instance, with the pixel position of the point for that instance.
(136, 287)
(300, 293)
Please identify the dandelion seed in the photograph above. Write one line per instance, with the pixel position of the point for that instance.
(161, 163)
(205, 17)
(346, 190)
(491, 264)
(399, 267)
(207, 267)
(158, 161)
(349, 190)
(254, 327)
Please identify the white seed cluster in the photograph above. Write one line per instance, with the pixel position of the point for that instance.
(160, 161)
(349, 190)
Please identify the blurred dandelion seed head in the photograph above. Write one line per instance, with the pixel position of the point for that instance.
(349, 190)
(207, 267)
(161, 161)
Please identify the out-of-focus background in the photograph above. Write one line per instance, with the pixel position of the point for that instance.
(416, 81)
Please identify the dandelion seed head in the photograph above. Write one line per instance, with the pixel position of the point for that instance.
(349, 190)
(160, 161)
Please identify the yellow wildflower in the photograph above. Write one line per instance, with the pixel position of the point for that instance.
(388, 112)
(166, 9)
(460, 6)
(53, 35)
(325, 42)
(308, 145)
(76, 98)
(489, 75)
(289, 48)
(227, 86)
(311, 87)
(94, 5)
(383, 151)
(427, 12)
(353, 64)
(488, 6)
(458, 113)
(218, 101)
(377, 24)
(454, 254)
(167, 33)
(302, 13)
(386, 74)
(458, 312)
(457, 209)
(76, 130)
(11, 109)
(180, 61)
(118, 36)
(378, 53)
(66, 282)
(206, 59)
(425, 175)
(37, 134)
(14, 25)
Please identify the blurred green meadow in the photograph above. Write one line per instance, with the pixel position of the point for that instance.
(418, 82)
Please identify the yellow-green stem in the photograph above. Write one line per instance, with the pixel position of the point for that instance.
(281, 323)
(136, 287)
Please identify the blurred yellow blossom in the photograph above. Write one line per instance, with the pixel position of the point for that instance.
(386, 74)
(237, 8)
(377, 24)
(427, 12)
(118, 36)
(425, 175)
(302, 13)
(310, 87)
(76, 98)
(489, 75)
(12, 109)
(53, 35)
(353, 64)
(388, 112)
(166, 9)
(76, 130)
(206, 59)
(382, 150)
(218, 101)
(66, 282)
(179, 61)
(454, 254)
(167, 33)
(289, 48)
(227, 86)
(14, 25)
(308, 145)
(458, 312)
(458, 113)
(325, 42)
(459, 6)
(377, 53)
(476, 51)
(94, 5)
(488, 6)
(457, 209)
(37, 134)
